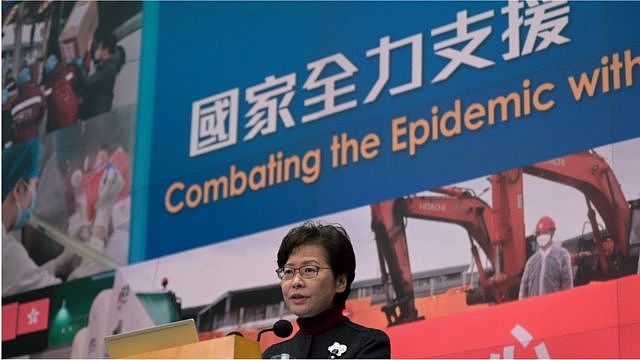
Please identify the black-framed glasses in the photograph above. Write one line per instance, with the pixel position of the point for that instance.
(306, 271)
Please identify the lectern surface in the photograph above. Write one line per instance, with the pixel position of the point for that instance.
(154, 338)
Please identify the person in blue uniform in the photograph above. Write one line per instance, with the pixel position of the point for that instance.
(316, 266)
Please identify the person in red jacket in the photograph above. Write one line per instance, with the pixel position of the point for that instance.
(8, 96)
(62, 100)
(28, 108)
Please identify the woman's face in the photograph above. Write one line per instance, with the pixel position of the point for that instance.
(310, 297)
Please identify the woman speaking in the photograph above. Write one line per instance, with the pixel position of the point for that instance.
(316, 266)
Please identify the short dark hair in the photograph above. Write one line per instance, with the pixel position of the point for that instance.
(107, 40)
(334, 239)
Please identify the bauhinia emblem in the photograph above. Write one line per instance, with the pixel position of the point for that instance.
(337, 349)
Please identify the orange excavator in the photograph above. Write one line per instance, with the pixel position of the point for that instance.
(487, 225)
(499, 229)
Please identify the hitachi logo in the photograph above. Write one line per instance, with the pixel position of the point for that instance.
(557, 162)
(432, 207)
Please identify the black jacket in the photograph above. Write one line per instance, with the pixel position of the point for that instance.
(347, 340)
(96, 90)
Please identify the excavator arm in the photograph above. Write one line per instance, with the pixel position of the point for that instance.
(469, 212)
(391, 240)
(494, 229)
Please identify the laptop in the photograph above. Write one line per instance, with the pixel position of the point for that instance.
(155, 338)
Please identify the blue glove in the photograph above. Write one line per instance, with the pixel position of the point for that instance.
(111, 184)
(23, 76)
(50, 64)
(77, 62)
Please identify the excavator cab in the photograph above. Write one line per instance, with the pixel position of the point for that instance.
(634, 237)
(584, 256)
(530, 245)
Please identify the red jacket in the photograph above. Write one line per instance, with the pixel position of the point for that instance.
(61, 98)
(27, 112)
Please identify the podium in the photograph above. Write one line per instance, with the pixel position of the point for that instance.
(227, 347)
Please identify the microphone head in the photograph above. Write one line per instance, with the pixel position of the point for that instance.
(282, 328)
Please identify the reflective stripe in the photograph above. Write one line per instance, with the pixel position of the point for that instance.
(21, 106)
(69, 76)
(48, 92)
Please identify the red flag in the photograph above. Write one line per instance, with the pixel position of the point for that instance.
(33, 316)
(9, 321)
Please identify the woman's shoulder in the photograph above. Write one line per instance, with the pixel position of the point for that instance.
(366, 334)
(372, 342)
(363, 329)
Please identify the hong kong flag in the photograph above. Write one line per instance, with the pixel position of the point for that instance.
(33, 316)
(9, 321)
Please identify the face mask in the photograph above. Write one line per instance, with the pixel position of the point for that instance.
(543, 240)
(24, 214)
(94, 51)
(97, 54)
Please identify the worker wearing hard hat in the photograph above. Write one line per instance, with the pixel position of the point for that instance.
(549, 269)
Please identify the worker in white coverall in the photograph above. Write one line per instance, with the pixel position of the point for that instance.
(549, 269)
(20, 173)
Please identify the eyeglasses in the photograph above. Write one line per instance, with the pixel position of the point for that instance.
(306, 271)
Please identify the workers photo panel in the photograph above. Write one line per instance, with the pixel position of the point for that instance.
(67, 62)
(76, 220)
(70, 83)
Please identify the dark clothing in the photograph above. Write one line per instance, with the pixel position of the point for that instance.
(96, 90)
(331, 335)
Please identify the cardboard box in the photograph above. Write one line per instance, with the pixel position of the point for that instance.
(78, 30)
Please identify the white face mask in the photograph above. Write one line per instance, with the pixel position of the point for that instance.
(96, 55)
(543, 240)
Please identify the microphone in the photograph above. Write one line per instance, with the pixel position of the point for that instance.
(236, 333)
(282, 328)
